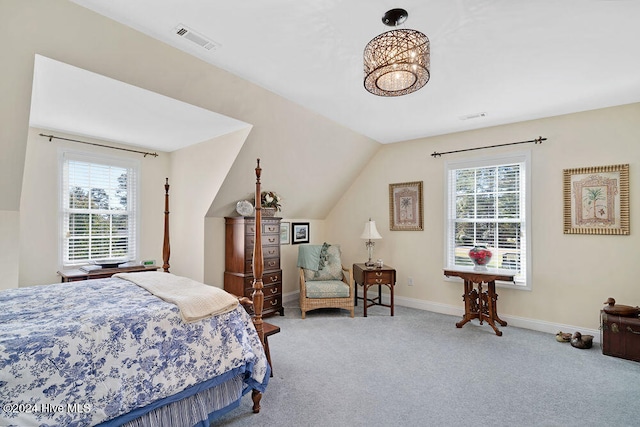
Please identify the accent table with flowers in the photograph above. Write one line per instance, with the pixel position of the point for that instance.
(479, 304)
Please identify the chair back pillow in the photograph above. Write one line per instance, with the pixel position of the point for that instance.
(332, 269)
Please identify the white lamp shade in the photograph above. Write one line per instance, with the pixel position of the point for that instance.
(370, 231)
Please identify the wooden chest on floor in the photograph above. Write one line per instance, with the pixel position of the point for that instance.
(620, 336)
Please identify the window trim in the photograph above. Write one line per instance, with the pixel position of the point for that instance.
(65, 154)
(485, 161)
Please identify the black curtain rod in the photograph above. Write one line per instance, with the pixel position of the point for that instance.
(145, 153)
(538, 140)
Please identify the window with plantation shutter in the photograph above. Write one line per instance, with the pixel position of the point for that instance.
(488, 204)
(98, 209)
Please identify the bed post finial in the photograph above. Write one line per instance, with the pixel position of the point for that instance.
(166, 247)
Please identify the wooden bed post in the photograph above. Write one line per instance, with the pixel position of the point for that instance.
(258, 261)
(258, 268)
(166, 249)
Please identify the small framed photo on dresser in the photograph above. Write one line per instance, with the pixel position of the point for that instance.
(299, 232)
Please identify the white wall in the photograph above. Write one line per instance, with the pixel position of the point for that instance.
(197, 172)
(9, 256)
(40, 201)
(572, 274)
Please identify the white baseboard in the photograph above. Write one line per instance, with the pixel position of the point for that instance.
(519, 322)
(291, 297)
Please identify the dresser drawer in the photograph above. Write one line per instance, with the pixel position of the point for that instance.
(268, 251)
(267, 279)
(268, 291)
(272, 290)
(267, 228)
(379, 277)
(270, 264)
(267, 239)
(271, 305)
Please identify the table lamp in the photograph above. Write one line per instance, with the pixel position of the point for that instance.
(370, 233)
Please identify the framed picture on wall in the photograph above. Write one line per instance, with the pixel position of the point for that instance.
(284, 233)
(299, 232)
(405, 206)
(596, 200)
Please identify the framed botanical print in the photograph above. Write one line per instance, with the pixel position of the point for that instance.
(284, 233)
(405, 206)
(596, 200)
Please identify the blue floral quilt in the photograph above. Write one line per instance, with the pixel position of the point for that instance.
(81, 353)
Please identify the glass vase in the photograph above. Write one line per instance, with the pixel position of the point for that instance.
(480, 256)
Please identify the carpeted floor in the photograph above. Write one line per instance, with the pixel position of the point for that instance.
(418, 369)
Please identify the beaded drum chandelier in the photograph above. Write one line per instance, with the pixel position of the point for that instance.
(396, 62)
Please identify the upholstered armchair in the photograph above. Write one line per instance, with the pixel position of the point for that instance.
(324, 281)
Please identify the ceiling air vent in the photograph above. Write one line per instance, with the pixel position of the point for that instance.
(192, 36)
(473, 116)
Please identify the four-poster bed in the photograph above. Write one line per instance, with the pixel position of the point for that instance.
(132, 350)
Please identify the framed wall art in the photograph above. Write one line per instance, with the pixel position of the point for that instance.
(284, 233)
(405, 206)
(299, 232)
(596, 200)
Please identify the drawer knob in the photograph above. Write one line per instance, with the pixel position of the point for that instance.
(274, 302)
(274, 291)
(378, 273)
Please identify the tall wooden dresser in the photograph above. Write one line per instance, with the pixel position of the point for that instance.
(238, 275)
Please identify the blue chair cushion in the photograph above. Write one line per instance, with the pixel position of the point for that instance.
(327, 289)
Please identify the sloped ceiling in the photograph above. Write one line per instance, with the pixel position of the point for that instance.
(78, 102)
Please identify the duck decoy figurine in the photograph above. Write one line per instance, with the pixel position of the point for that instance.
(621, 310)
(581, 341)
(563, 336)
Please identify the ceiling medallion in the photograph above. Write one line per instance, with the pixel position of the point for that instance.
(396, 62)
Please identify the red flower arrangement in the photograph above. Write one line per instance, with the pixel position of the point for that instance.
(480, 255)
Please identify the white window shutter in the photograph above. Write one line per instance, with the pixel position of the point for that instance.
(98, 209)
